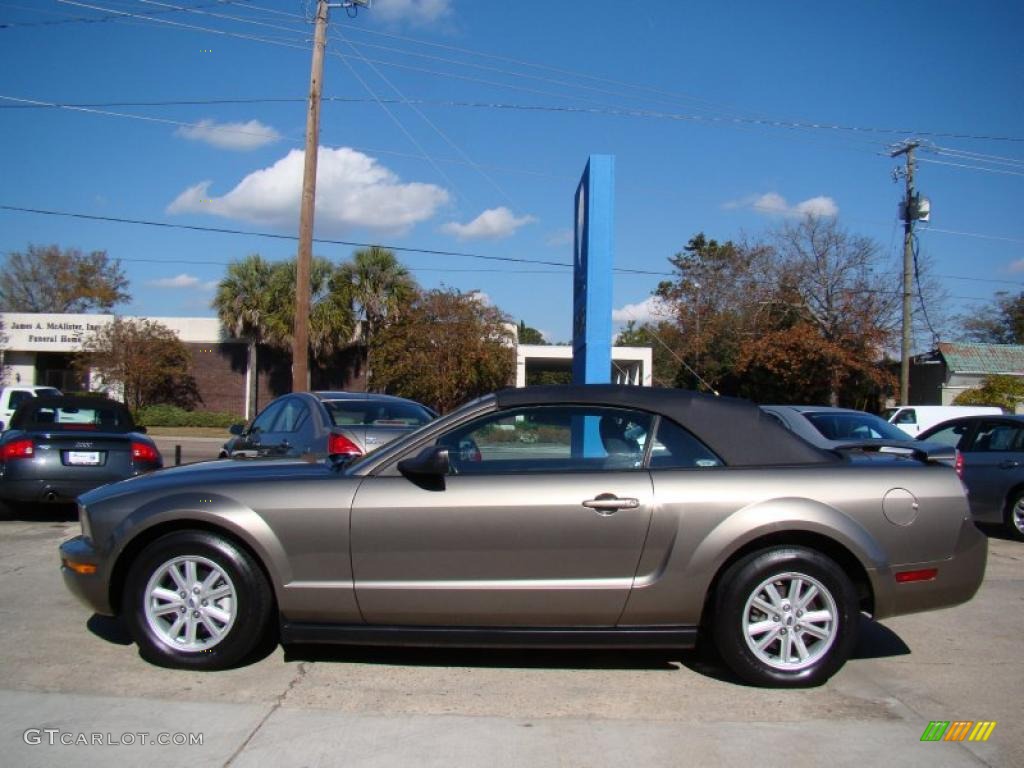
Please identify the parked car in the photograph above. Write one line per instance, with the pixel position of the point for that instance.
(828, 427)
(12, 397)
(915, 419)
(322, 424)
(59, 447)
(992, 457)
(719, 521)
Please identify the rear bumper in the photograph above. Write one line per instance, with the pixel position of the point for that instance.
(92, 589)
(48, 491)
(957, 580)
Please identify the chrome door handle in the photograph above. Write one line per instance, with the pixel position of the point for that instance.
(607, 503)
(1009, 464)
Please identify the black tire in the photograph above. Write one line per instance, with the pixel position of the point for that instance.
(1013, 522)
(250, 604)
(6, 510)
(834, 595)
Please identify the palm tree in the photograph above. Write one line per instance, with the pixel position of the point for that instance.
(331, 320)
(380, 286)
(243, 305)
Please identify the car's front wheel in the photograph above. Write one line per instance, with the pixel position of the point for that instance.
(1015, 516)
(195, 600)
(785, 617)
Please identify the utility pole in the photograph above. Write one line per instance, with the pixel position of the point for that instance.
(300, 334)
(909, 216)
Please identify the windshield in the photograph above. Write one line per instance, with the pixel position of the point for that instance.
(53, 416)
(844, 425)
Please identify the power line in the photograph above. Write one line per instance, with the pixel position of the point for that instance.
(326, 241)
(87, 19)
(971, 167)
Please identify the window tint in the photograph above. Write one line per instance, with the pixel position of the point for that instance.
(19, 397)
(906, 416)
(549, 439)
(376, 413)
(951, 435)
(107, 417)
(838, 425)
(293, 413)
(676, 448)
(992, 436)
(265, 420)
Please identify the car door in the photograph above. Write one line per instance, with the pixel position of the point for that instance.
(260, 435)
(993, 464)
(540, 522)
(289, 429)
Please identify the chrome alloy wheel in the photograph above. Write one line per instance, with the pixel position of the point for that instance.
(790, 621)
(1017, 515)
(190, 603)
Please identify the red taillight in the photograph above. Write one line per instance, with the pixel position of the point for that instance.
(145, 453)
(959, 464)
(339, 445)
(925, 574)
(19, 449)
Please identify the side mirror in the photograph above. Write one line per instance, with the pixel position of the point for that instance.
(236, 429)
(431, 462)
(140, 430)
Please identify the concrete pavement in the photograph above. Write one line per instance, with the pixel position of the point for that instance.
(63, 669)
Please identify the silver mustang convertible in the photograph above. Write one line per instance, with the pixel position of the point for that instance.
(596, 516)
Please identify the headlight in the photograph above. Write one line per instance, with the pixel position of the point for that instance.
(83, 518)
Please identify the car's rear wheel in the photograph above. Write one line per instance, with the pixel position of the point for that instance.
(1015, 516)
(785, 617)
(195, 600)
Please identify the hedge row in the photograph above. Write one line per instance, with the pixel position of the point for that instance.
(173, 416)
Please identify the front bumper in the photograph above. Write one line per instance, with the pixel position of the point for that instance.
(93, 589)
(957, 580)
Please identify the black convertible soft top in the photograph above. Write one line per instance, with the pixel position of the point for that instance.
(737, 430)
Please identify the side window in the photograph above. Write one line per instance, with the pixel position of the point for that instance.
(906, 416)
(676, 448)
(952, 435)
(18, 397)
(993, 436)
(550, 439)
(265, 420)
(291, 416)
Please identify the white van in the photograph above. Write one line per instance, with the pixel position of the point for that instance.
(915, 419)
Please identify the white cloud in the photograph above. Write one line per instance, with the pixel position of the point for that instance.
(560, 237)
(492, 224)
(772, 203)
(179, 281)
(650, 310)
(239, 136)
(353, 190)
(415, 11)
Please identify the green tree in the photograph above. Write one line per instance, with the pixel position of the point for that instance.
(998, 389)
(445, 348)
(380, 288)
(144, 359)
(244, 305)
(1002, 322)
(331, 319)
(48, 279)
(528, 335)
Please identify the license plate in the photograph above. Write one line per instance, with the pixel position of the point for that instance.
(84, 458)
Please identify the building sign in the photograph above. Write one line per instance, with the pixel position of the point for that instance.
(50, 332)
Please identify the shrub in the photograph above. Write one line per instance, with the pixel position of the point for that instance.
(173, 416)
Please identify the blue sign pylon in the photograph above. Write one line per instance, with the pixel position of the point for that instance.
(592, 273)
(592, 292)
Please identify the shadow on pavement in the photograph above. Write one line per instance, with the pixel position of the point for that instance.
(109, 628)
(877, 641)
(997, 532)
(40, 513)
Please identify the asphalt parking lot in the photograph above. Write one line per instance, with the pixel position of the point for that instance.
(65, 673)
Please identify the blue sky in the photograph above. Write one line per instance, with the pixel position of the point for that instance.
(509, 99)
